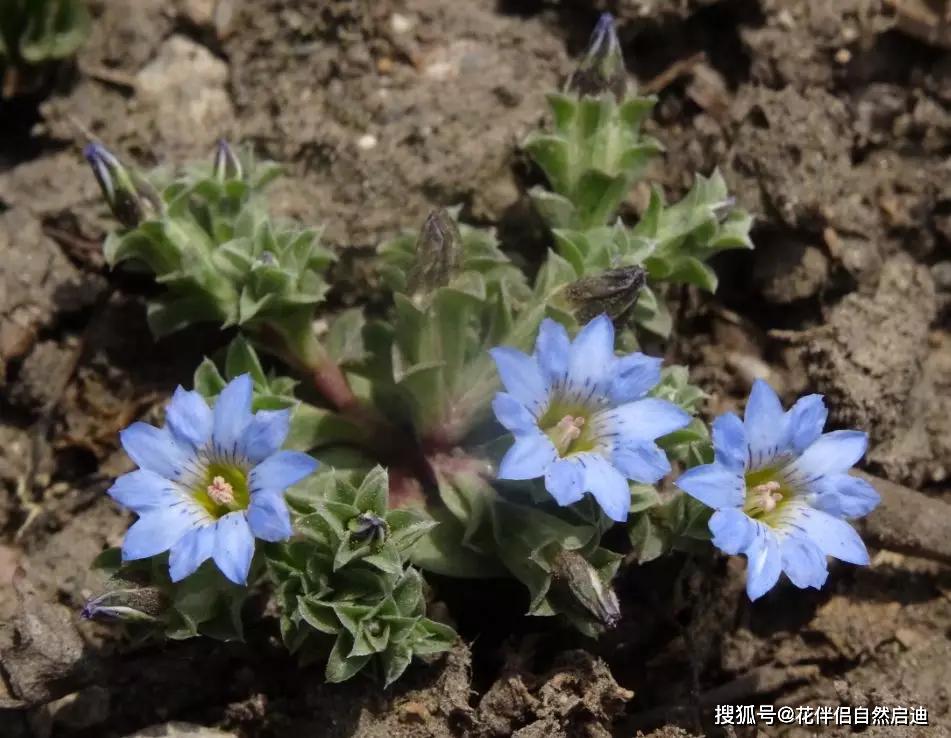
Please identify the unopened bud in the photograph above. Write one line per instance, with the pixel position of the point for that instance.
(127, 601)
(369, 528)
(722, 209)
(613, 292)
(227, 164)
(438, 253)
(602, 67)
(129, 204)
(573, 572)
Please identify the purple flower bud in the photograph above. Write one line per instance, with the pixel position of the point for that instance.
(369, 527)
(127, 601)
(129, 204)
(573, 572)
(613, 292)
(227, 164)
(602, 67)
(438, 253)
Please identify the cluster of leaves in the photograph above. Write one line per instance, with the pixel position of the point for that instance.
(345, 588)
(37, 31)
(456, 295)
(591, 158)
(206, 236)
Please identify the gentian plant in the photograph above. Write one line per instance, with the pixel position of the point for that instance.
(486, 423)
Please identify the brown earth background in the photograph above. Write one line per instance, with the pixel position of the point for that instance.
(831, 121)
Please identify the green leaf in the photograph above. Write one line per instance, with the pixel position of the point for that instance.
(441, 551)
(554, 274)
(643, 497)
(373, 493)
(339, 667)
(396, 659)
(344, 341)
(552, 154)
(648, 541)
(313, 427)
(242, 359)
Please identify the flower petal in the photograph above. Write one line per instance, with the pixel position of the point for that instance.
(529, 457)
(641, 420)
(264, 434)
(765, 424)
(832, 453)
(269, 517)
(143, 490)
(522, 377)
(642, 461)
(158, 530)
(189, 418)
(845, 496)
(733, 530)
(714, 485)
(591, 360)
(834, 536)
(729, 442)
(279, 471)
(564, 480)
(765, 563)
(234, 546)
(232, 414)
(512, 414)
(190, 552)
(806, 420)
(634, 375)
(803, 561)
(155, 449)
(608, 486)
(552, 350)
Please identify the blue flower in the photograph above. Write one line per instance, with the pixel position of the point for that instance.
(781, 488)
(209, 482)
(580, 416)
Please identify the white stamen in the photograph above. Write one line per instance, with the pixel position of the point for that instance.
(768, 495)
(566, 432)
(220, 491)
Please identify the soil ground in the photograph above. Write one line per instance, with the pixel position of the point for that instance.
(831, 122)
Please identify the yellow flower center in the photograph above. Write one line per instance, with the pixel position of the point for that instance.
(568, 427)
(766, 495)
(223, 489)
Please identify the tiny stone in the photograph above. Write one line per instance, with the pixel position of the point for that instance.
(907, 637)
(400, 23)
(843, 56)
(367, 141)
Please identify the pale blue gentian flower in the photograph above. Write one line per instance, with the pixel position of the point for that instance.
(781, 490)
(209, 482)
(580, 416)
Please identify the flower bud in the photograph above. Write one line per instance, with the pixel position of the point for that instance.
(123, 197)
(602, 67)
(572, 571)
(227, 164)
(128, 601)
(613, 292)
(723, 209)
(369, 528)
(438, 253)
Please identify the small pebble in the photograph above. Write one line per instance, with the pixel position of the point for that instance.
(400, 23)
(367, 141)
